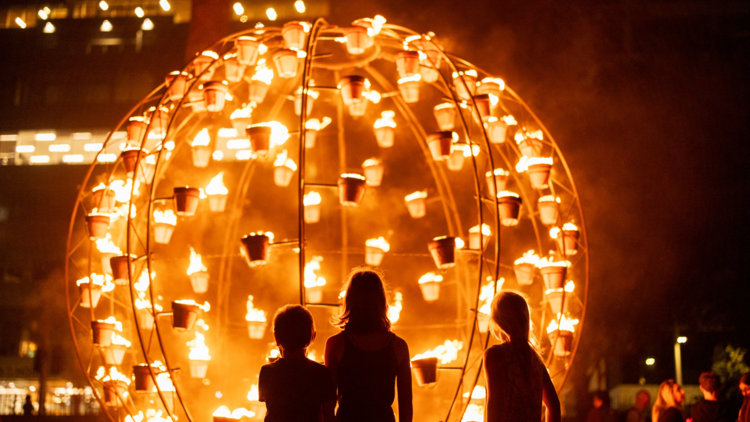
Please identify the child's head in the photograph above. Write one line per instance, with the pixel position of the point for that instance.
(365, 303)
(510, 318)
(293, 327)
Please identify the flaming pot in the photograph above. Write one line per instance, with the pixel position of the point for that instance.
(217, 203)
(373, 255)
(570, 240)
(456, 160)
(352, 89)
(471, 82)
(443, 251)
(407, 63)
(374, 174)
(95, 292)
(430, 290)
(501, 180)
(106, 267)
(539, 175)
(294, 35)
(115, 354)
(104, 200)
(257, 91)
(247, 50)
(314, 294)
(214, 94)
(564, 342)
(524, 273)
(136, 129)
(445, 117)
(310, 135)
(351, 190)
(260, 139)
(358, 109)
(385, 136)
(176, 84)
(129, 157)
(240, 124)
(483, 321)
(554, 276)
(200, 64)
(286, 63)
(199, 280)
(102, 333)
(184, 316)
(145, 319)
(312, 213)
(256, 249)
(186, 200)
(256, 329)
(425, 371)
(119, 265)
(555, 299)
(509, 208)
(548, 212)
(144, 382)
(530, 147)
(429, 74)
(496, 131)
(112, 391)
(233, 69)
(195, 99)
(282, 175)
(198, 368)
(409, 91)
(417, 207)
(357, 39)
(440, 144)
(162, 233)
(201, 155)
(483, 105)
(474, 241)
(298, 104)
(97, 225)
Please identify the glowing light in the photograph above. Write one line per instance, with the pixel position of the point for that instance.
(416, 195)
(216, 186)
(550, 198)
(474, 412)
(253, 394)
(106, 158)
(103, 5)
(567, 227)
(59, 148)
(139, 12)
(311, 268)
(262, 72)
(166, 217)
(49, 28)
(238, 144)
(550, 262)
(196, 264)
(507, 193)
(238, 9)
(39, 159)
(271, 13)
(198, 348)
(202, 138)
(43, 13)
(25, 148)
(394, 311)
(430, 278)
(315, 124)
(529, 257)
(165, 5)
(650, 361)
(566, 324)
(224, 412)
(46, 136)
(525, 162)
(72, 158)
(254, 314)
(217, 155)
(386, 120)
(682, 340)
(379, 243)
(106, 245)
(104, 280)
(283, 160)
(113, 376)
(147, 25)
(300, 6)
(312, 198)
(445, 353)
(106, 26)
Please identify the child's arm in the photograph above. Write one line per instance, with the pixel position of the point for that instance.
(550, 399)
(403, 381)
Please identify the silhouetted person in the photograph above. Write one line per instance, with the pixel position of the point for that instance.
(601, 411)
(28, 407)
(517, 380)
(745, 390)
(366, 358)
(668, 404)
(710, 408)
(294, 388)
(637, 413)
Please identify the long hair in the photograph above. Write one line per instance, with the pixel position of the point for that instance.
(365, 307)
(511, 319)
(665, 399)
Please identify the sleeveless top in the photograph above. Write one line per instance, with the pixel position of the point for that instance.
(367, 382)
(520, 377)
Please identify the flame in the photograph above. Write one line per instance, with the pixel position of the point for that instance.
(570, 286)
(142, 284)
(202, 138)
(497, 172)
(198, 348)
(119, 340)
(370, 162)
(262, 72)
(352, 176)
(114, 375)
(486, 294)
(312, 198)
(474, 412)
(119, 212)
(379, 243)
(202, 324)
(486, 231)
(311, 92)
(106, 245)
(315, 124)
(566, 324)
(550, 198)
(545, 262)
(446, 352)
(444, 105)
(415, 78)
(166, 217)
(525, 162)
(555, 231)
(509, 120)
(282, 160)
(113, 320)
(371, 94)
(529, 257)
(274, 353)
(506, 193)
(279, 132)
(311, 278)
(238, 413)
(386, 119)
(196, 264)
(253, 395)
(430, 277)
(216, 186)
(254, 314)
(146, 304)
(416, 195)
(478, 393)
(163, 380)
(242, 112)
(121, 189)
(104, 280)
(205, 307)
(394, 311)
(498, 81)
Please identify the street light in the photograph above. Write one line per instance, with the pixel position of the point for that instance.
(678, 358)
(650, 361)
(682, 339)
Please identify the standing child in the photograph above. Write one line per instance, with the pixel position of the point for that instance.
(295, 388)
(366, 358)
(517, 380)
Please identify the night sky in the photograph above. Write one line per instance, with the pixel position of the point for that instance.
(653, 119)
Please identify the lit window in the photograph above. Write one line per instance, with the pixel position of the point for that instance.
(300, 6)
(81, 136)
(139, 12)
(238, 9)
(217, 155)
(49, 28)
(106, 158)
(243, 155)
(238, 144)
(59, 148)
(25, 148)
(271, 13)
(106, 26)
(46, 136)
(43, 13)
(72, 158)
(95, 147)
(165, 5)
(103, 5)
(147, 25)
(227, 132)
(39, 159)
(20, 23)
(650, 361)
(8, 137)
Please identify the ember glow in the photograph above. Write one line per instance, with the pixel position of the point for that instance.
(379, 243)
(198, 348)
(196, 264)
(445, 353)
(254, 314)
(165, 217)
(312, 279)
